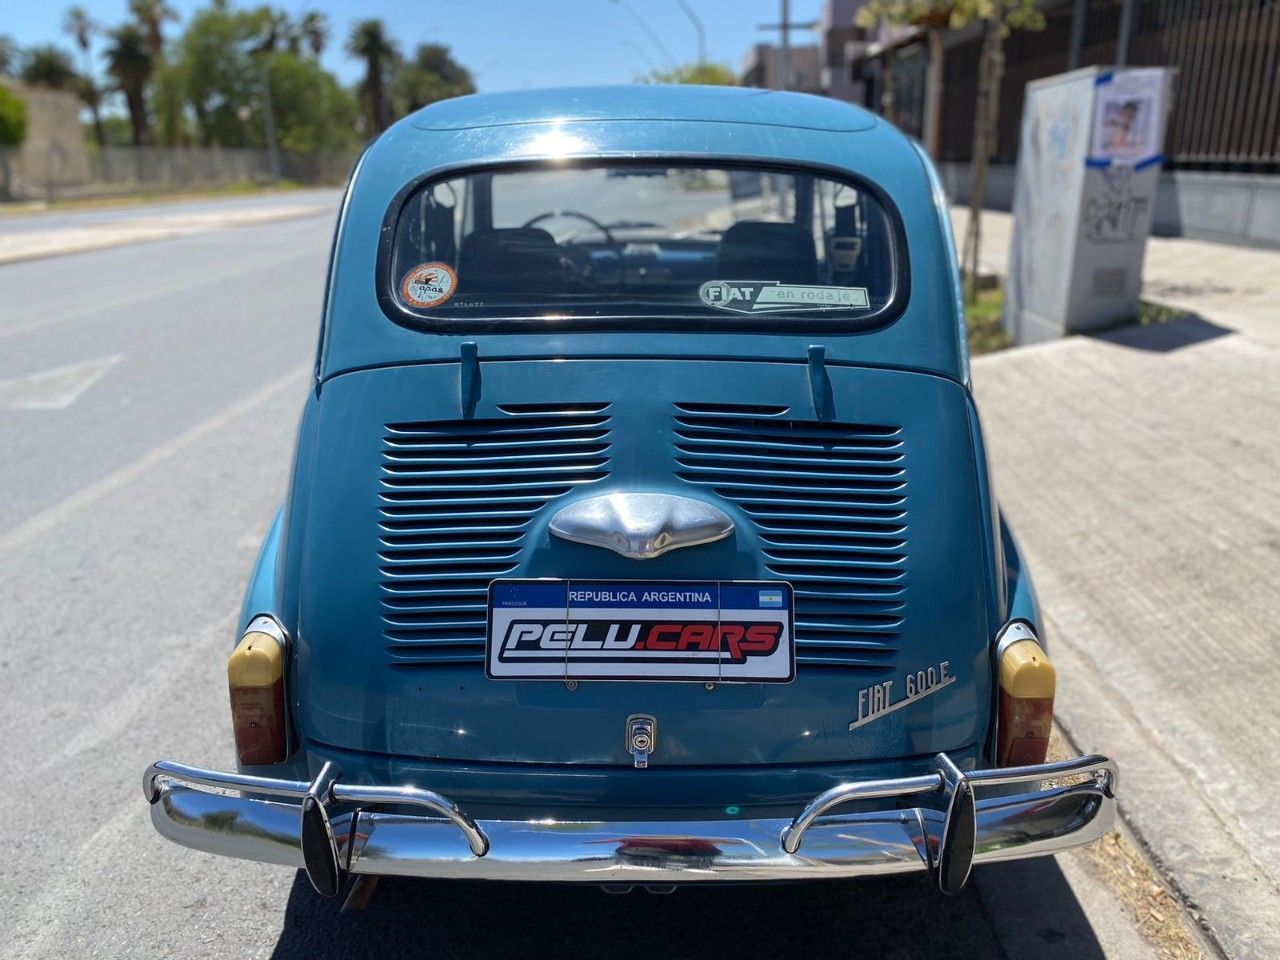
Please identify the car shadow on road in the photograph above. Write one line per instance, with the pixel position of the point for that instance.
(888, 918)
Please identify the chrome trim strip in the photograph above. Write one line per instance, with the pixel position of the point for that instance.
(341, 792)
(641, 526)
(1102, 768)
(353, 793)
(268, 625)
(1012, 632)
(452, 845)
(847, 792)
(173, 770)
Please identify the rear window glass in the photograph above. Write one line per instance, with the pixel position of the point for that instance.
(645, 241)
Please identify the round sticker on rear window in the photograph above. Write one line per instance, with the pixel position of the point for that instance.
(428, 285)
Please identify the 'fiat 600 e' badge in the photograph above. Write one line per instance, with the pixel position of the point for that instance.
(767, 296)
(428, 285)
(877, 700)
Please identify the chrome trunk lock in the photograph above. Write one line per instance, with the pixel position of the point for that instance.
(642, 737)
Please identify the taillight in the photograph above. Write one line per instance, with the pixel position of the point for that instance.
(255, 674)
(1027, 682)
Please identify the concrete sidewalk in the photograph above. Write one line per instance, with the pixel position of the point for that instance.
(1141, 471)
(1212, 279)
(58, 233)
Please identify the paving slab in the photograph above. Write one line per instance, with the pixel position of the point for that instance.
(1141, 471)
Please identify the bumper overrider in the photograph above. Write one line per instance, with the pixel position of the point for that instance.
(935, 822)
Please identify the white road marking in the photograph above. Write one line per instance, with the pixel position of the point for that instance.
(48, 519)
(56, 388)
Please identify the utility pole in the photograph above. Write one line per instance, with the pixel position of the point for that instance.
(784, 46)
(784, 36)
(698, 26)
(648, 30)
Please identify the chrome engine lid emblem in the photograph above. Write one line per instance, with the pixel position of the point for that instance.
(641, 525)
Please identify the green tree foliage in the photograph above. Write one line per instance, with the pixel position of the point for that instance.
(949, 14)
(49, 66)
(369, 42)
(212, 92)
(13, 119)
(13, 130)
(313, 112)
(216, 74)
(431, 75)
(712, 74)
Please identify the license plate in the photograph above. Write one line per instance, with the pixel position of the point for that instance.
(702, 630)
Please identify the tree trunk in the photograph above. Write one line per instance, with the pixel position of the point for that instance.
(137, 106)
(202, 123)
(990, 73)
(886, 90)
(933, 93)
(99, 134)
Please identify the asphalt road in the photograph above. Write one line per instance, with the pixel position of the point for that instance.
(82, 216)
(133, 492)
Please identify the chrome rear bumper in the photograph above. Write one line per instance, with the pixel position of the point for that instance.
(334, 832)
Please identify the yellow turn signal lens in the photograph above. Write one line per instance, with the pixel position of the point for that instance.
(1027, 685)
(255, 674)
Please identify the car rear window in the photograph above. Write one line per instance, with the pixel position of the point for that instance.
(640, 241)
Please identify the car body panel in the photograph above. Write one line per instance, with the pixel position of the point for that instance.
(912, 565)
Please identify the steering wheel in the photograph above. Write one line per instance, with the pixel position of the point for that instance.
(609, 239)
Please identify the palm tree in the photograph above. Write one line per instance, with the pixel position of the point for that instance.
(369, 42)
(48, 66)
(129, 64)
(314, 29)
(78, 23)
(151, 16)
(276, 28)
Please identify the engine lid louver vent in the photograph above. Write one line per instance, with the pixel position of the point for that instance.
(456, 497)
(829, 503)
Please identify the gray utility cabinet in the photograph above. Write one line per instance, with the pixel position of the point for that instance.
(1088, 167)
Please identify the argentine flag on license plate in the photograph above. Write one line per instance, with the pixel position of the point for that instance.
(771, 598)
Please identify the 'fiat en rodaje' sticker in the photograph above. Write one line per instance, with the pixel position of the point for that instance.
(767, 296)
(428, 285)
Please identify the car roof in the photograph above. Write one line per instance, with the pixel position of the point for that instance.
(640, 122)
(688, 103)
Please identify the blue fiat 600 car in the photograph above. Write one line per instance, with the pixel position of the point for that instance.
(640, 528)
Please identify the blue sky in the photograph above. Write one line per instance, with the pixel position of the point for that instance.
(508, 44)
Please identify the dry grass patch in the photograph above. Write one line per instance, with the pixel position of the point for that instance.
(1119, 862)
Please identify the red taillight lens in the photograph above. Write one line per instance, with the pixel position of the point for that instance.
(255, 674)
(1027, 683)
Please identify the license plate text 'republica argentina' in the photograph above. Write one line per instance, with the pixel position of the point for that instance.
(723, 632)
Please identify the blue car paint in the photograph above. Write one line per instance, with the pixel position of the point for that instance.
(648, 123)
(538, 746)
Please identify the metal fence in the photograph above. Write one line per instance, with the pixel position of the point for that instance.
(1226, 107)
(51, 173)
